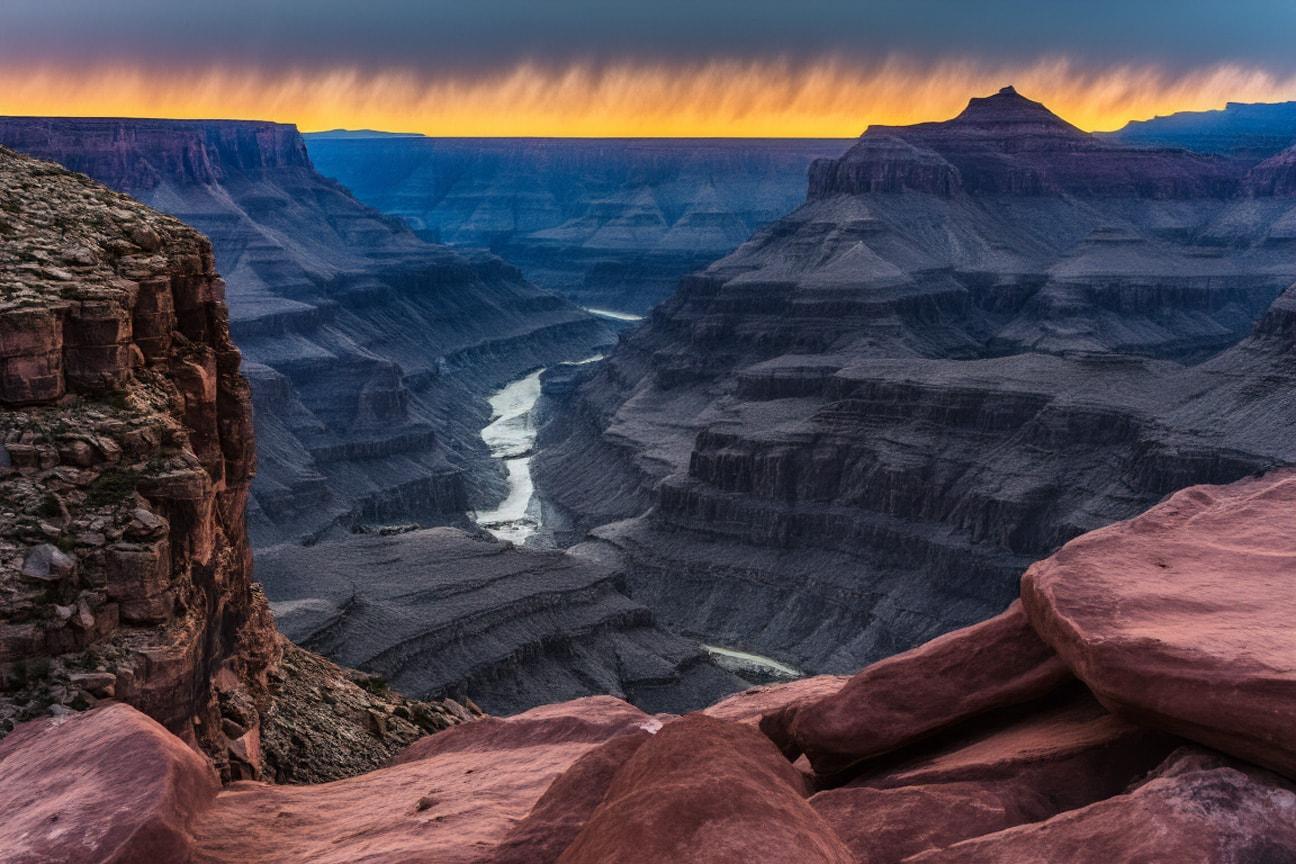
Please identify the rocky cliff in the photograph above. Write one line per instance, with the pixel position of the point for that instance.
(1249, 131)
(975, 341)
(126, 458)
(370, 351)
(1132, 705)
(610, 223)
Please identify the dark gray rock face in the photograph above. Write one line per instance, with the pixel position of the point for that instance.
(609, 223)
(369, 350)
(976, 340)
(1245, 130)
(439, 612)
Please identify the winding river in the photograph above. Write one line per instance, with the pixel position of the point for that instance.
(511, 437)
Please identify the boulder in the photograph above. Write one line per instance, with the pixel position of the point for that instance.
(1203, 815)
(753, 703)
(109, 786)
(567, 805)
(706, 790)
(452, 803)
(909, 697)
(1181, 618)
(1063, 757)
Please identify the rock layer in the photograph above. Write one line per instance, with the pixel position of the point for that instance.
(977, 340)
(1181, 618)
(438, 613)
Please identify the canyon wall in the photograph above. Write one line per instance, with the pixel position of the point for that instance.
(976, 340)
(370, 351)
(610, 223)
(125, 466)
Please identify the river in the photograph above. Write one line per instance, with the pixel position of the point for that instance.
(511, 437)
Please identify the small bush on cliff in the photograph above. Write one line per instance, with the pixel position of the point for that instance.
(111, 486)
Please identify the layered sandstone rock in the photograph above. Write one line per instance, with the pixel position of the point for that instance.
(128, 454)
(1181, 618)
(439, 613)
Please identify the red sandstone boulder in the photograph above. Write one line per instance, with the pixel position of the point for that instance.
(110, 786)
(567, 805)
(706, 790)
(1193, 813)
(450, 798)
(1060, 758)
(755, 702)
(1182, 618)
(906, 698)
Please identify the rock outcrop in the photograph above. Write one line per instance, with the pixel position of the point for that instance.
(370, 352)
(976, 340)
(128, 455)
(1044, 773)
(610, 223)
(439, 613)
(1241, 130)
(1181, 618)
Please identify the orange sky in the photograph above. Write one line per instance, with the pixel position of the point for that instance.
(768, 98)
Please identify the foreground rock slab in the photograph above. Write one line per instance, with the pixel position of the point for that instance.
(914, 695)
(705, 790)
(1182, 618)
(110, 786)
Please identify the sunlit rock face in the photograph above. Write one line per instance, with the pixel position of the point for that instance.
(370, 351)
(976, 340)
(609, 223)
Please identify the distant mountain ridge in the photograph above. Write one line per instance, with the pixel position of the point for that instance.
(610, 223)
(1247, 130)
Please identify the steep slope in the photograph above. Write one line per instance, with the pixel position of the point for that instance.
(610, 223)
(369, 350)
(973, 342)
(438, 613)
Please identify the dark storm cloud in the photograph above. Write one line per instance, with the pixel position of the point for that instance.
(471, 36)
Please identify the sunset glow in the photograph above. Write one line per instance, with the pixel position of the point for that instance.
(827, 98)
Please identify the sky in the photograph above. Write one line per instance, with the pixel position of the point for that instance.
(793, 68)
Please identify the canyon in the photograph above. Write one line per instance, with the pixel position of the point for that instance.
(370, 352)
(982, 454)
(609, 223)
(976, 340)
(371, 355)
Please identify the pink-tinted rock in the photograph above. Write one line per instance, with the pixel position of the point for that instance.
(1030, 769)
(567, 805)
(706, 790)
(1181, 619)
(449, 804)
(906, 698)
(1208, 816)
(109, 786)
(755, 702)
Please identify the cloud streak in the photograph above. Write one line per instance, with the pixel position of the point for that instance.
(829, 97)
